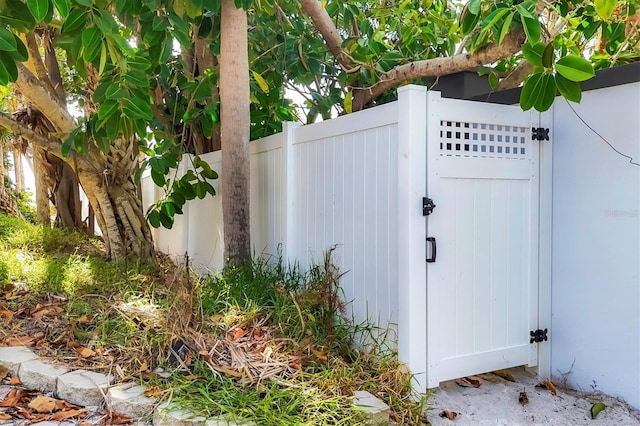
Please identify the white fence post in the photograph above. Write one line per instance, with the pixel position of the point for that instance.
(544, 246)
(289, 251)
(412, 279)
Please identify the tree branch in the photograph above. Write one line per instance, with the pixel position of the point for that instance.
(327, 28)
(516, 76)
(44, 100)
(19, 129)
(437, 67)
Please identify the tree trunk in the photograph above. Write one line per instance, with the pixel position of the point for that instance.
(18, 169)
(235, 123)
(43, 207)
(67, 199)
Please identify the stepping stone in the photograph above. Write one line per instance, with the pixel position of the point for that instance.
(167, 414)
(12, 356)
(83, 387)
(129, 399)
(377, 412)
(36, 374)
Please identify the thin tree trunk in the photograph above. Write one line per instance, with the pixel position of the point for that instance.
(235, 122)
(18, 169)
(43, 208)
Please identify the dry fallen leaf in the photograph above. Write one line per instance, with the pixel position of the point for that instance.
(85, 319)
(49, 309)
(85, 352)
(43, 404)
(319, 354)
(79, 413)
(548, 385)
(505, 375)
(451, 415)
(236, 334)
(468, 382)
(3, 371)
(13, 397)
(5, 416)
(19, 341)
(5, 313)
(112, 418)
(14, 381)
(153, 391)
(85, 424)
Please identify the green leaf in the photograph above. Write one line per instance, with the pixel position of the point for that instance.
(63, 7)
(66, 145)
(524, 11)
(468, 20)
(604, 8)
(166, 221)
(533, 53)
(20, 54)
(91, 42)
(10, 66)
(530, 91)
(7, 40)
(201, 191)
(4, 75)
(505, 27)
(532, 28)
(494, 17)
(548, 55)
(38, 8)
(348, 102)
(571, 90)
(76, 20)
(494, 79)
(547, 93)
(596, 408)
(575, 68)
(112, 128)
(474, 7)
(108, 108)
(137, 79)
(154, 218)
(158, 178)
(264, 86)
(137, 108)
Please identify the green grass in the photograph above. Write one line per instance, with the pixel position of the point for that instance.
(126, 309)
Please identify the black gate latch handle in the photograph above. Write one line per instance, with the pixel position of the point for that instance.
(432, 240)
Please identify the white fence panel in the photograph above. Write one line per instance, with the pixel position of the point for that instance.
(268, 194)
(346, 196)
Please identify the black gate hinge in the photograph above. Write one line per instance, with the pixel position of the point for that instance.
(427, 206)
(540, 133)
(538, 336)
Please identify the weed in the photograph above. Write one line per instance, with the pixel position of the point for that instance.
(265, 309)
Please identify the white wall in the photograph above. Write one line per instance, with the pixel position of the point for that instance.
(595, 331)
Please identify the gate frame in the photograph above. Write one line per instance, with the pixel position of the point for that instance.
(413, 110)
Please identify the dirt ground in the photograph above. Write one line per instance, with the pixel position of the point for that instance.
(496, 402)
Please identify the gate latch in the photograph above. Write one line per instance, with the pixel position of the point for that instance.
(540, 134)
(427, 206)
(538, 336)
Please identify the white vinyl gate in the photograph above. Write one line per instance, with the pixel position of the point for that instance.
(357, 182)
(482, 245)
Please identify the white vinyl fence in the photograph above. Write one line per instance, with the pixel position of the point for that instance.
(312, 188)
(356, 182)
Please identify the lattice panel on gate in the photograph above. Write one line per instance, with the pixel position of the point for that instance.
(464, 139)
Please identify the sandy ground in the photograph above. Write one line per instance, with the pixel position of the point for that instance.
(495, 402)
